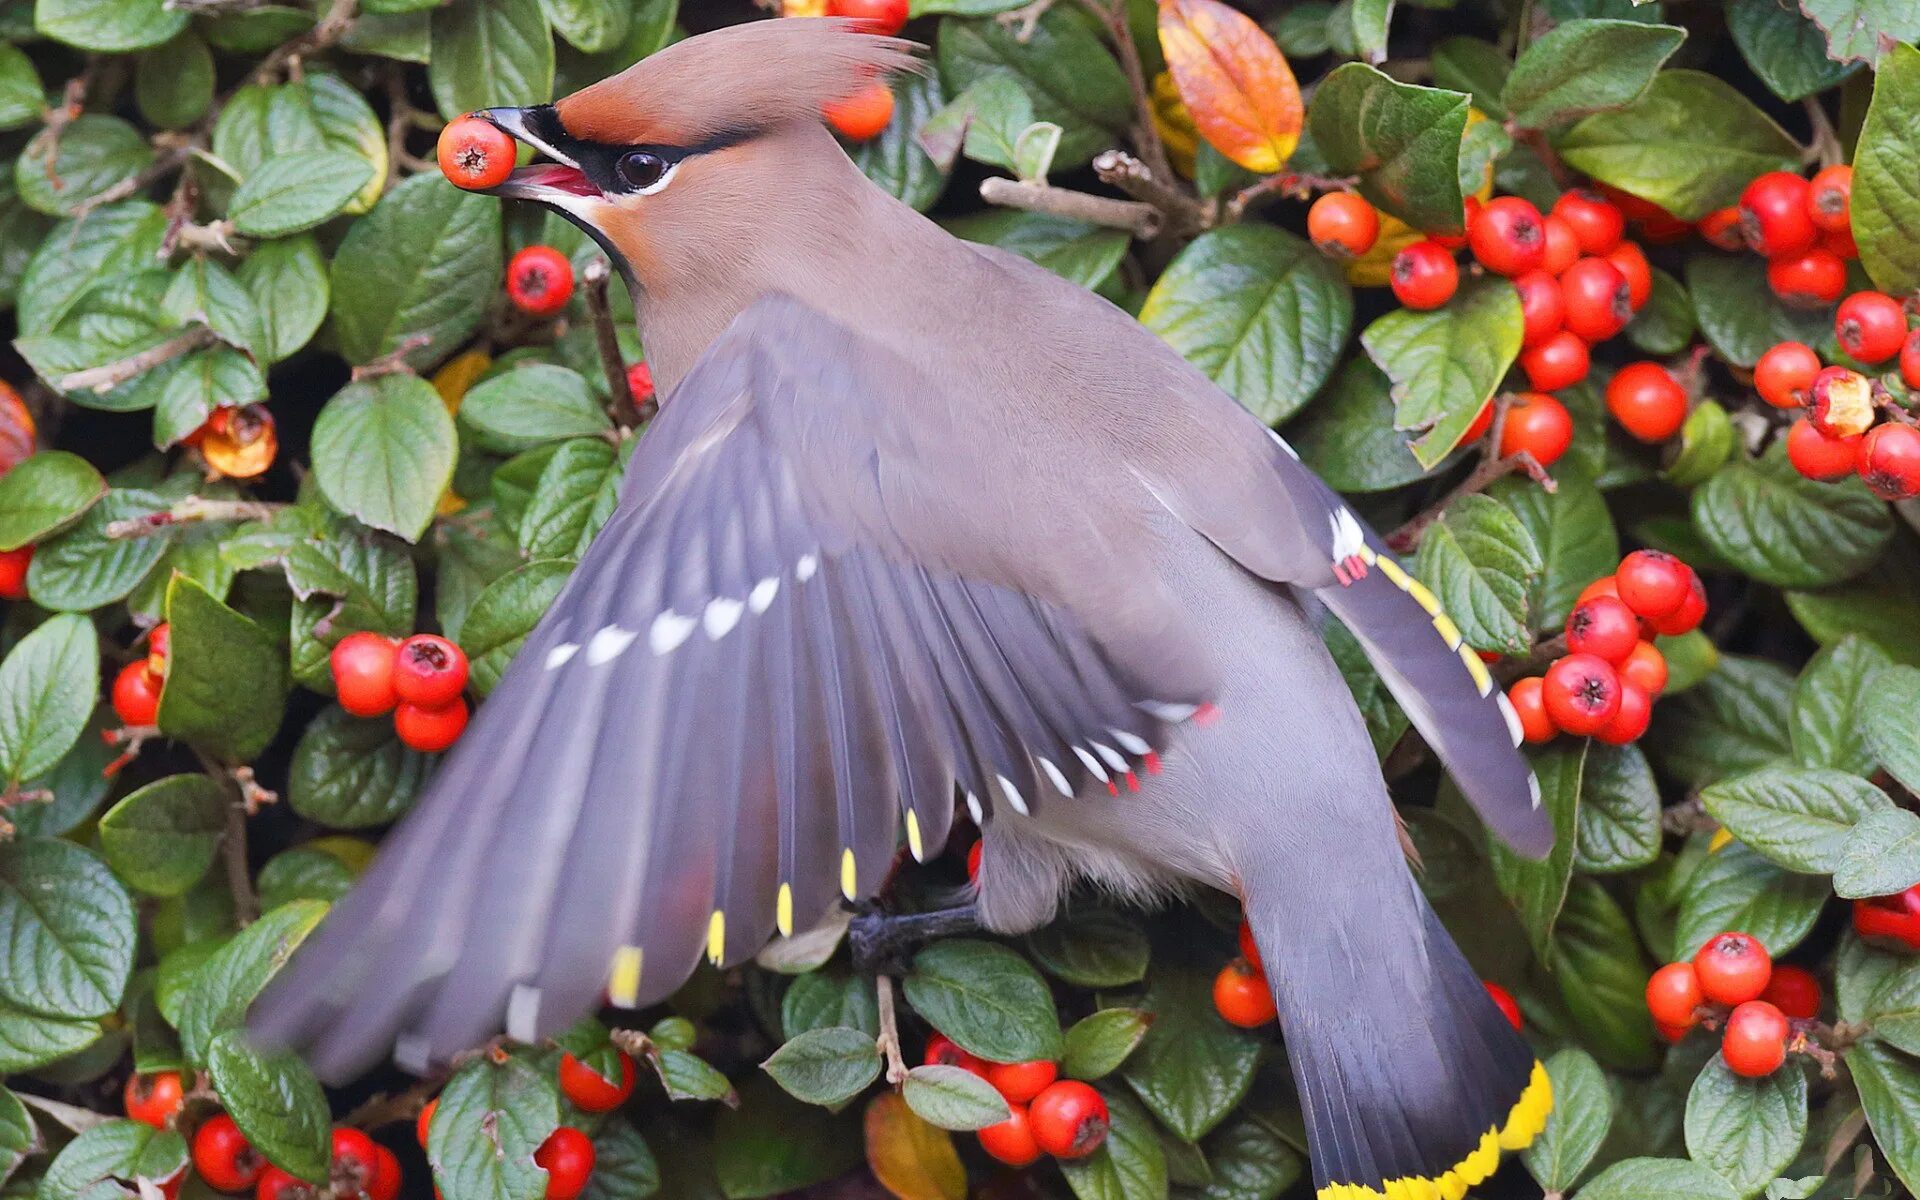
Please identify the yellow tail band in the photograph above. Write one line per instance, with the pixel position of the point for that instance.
(1524, 1123)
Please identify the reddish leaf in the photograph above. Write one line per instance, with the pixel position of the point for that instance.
(1235, 82)
(16, 429)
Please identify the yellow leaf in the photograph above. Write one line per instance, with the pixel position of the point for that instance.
(1174, 124)
(1234, 80)
(911, 1158)
(453, 380)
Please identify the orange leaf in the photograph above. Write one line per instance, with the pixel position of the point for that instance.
(16, 429)
(911, 1158)
(1235, 82)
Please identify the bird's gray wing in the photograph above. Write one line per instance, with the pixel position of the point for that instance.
(815, 611)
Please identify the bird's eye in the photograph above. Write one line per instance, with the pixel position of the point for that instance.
(643, 170)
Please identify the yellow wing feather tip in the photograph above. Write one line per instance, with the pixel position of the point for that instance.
(716, 937)
(623, 981)
(783, 910)
(1524, 1122)
(849, 876)
(913, 838)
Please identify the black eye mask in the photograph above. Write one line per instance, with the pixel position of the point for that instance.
(622, 170)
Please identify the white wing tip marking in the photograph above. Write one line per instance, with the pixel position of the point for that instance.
(1112, 756)
(761, 597)
(1132, 745)
(804, 568)
(558, 656)
(1054, 776)
(523, 1012)
(1091, 763)
(608, 644)
(668, 631)
(412, 1053)
(974, 810)
(721, 615)
(1283, 444)
(1348, 537)
(1014, 797)
(1533, 788)
(1172, 714)
(1514, 729)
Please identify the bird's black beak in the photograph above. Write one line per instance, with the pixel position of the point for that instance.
(559, 184)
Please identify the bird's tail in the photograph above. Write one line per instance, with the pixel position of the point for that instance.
(1411, 1080)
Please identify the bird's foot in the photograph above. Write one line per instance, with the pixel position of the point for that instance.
(883, 944)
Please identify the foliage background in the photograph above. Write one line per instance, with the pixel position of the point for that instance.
(232, 185)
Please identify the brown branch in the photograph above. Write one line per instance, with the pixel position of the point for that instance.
(1299, 187)
(1183, 214)
(889, 1038)
(598, 276)
(1143, 221)
(103, 379)
(325, 32)
(175, 157)
(238, 781)
(189, 511)
(1406, 539)
(394, 361)
(1824, 146)
(384, 1109)
(1114, 14)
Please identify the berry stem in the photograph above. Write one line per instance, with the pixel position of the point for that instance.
(1406, 539)
(190, 511)
(1137, 218)
(383, 1108)
(1183, 215)
(889, 1039)
(606, 339)
(1824, 146)
(103, 379)
(1298, 187)
(247, 796)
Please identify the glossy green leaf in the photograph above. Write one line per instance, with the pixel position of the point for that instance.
(504, 614)
(276, 1102)
(1402, 140)
(162, 838)
(226, 677)
(93, 1165)
(1737, 889)
(1889, 1086)
(490, 52)
(1780, 527)
(953, 1098)
(1787, 51)
(422, 265)
(526, 406)
(1737, 719)
(1740, 316)
(293, 192)
(46, 693)
(287, 278)
(1584, 67)
(1602, 974)
(1657, 1179)
(1192, 1068)
(1063, 67)
(1881, 856)
(1446, 363)
(173, 82)
(1537, 888)
(1582, 1115)
(1349, 439)
(1129, 1165)
(1830, 704)
(986, 998)
(1747, 1130)
(826, 1066)
(67, 929)
(1864, 30)
(215, 999)
(383, 453)
(1480, 560)
(1098, 1044)
(490, 1120)
(1619, 825)
(45, 494)
(1093, 948)
(1798, 817)
(94, 153)
(1885, 207)
(1888, 723)
(350, 773)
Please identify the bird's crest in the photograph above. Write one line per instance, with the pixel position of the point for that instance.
(738, 79)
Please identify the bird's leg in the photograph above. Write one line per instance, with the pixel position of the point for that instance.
(883, 943)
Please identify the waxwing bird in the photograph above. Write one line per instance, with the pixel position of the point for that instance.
(920, 525)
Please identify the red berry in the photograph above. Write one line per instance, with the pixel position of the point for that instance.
(1507, 238)
(1830, 199)
(1582, 693)
(429, 671)
(430, 730)
(1811, 279)
(539, 280)
(1840, 402)
(1011, 1141)
(1733, 968)
(1539, 425)
(1871, 326)
(1840, 241)
(1605, 627)
(1559, 362)
(1645, 668)
(13, 572)
(159, 645)
(1424, 276)
(1541, 307)
(864, 115)
(1342, 225)
(1663, 227)
(386, 1181)
(1598, 301)
(1529, 704)
(1606, 585)
(1628, 259)
(1784, 373)
(1597, 224)
(592, 1091)
(1773, 215)
(973, 861)
(1647, 400)
(1652, 582)
(363, 666)
(1671, 1033)
(1755, 1041)
(1480, 425)
(1563, 245)
(1909, 375)
(224, 1157)
(276, 1184)
(355, 1159)
(1721, 228)
(1890, 921)
(475, 153)
(1470, 209)
(1674, 995)
(1636, 710)
(136, 694)
(1249, 949)
(1241, 996)
(640, 382)
(884, 17)
(1692, 610)
(1889, 460)
(154, 1099)
(1504, 1001)
(1069, 1119)
(1018, 1083)
(1793, 990)
(567, 1158)
(943, 1051)
(422, 1122)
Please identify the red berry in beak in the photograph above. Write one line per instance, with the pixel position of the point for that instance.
(475, 153)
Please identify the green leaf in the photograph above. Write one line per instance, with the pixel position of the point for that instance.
(383, 453)
(1657, 1179)
(1582, 1114)
(173, 83)
(1479, 559)
(1250, 1158)
(1098, 1044)
(424, 263)
(1690, 144)
(293, 192)
(276, 1102)
(1893, 1007)
(826, 1066)
(573, 499)
(1889, 1086)
(1537, 889)
(18, 1137)
(1263, 313)
(1086, 254)
(302, 873)
(1129, 1165)
(827, 998)
(45, 494)
(318, 111)
(1734, 720)
(490, 1119)
(1574, 533)
(1063, 67)
(207, 379)
(1348, 438)
(47, 687)
(1886, 198)
(1370, 19)
(1403, 141)
(203, 291)
(1880, 606)
(77, 781)
(1864, 30)
(1787, 51)
(226, 677)
(106, 1161)
(591, 25)
(1782, 528)
(623, 1166)
(21, 98)
(986, 998)
(29, 1040)
(1740, 316)
(689, 1077)
(773, 1144)
(1619, 827)
(112, 241)
(526, 406)
(1603, 977)
(1092, 948)
(1585, 67)
(1446, 363)
(1831, 702)
(287, 278)
(95, 152)
(1706, 443)
(1888, 721)
(489, 52)
(1736, 889)
(953, 1098)
(1748, 1130)
(349, 773)
(500, 619)
(1467, 64)
(163, 837)
(1192, 1068)
(67, 929)
(1798, 817)
(1882, 855)
(108, 25)
(216, 998)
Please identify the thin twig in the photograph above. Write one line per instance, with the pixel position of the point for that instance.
(889, 1039)
(1298, 187)
(1114, 13)
(1184, 214)
(394, 361)
(189, 511)
(103, 379)
(606, 338)
(328, 30)
(246, 904)
(383, 1108)
(1824, 147)
(1141, 220)
(1406, 539)
(173, 159)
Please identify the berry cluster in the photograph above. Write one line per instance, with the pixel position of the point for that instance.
(136, 689)
(1838, 435)
(1802, 228)
(1890, 921)
(1732, 984)
(419, 681)
(567, 1156)
(1605, 685)
(1050, 1115)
